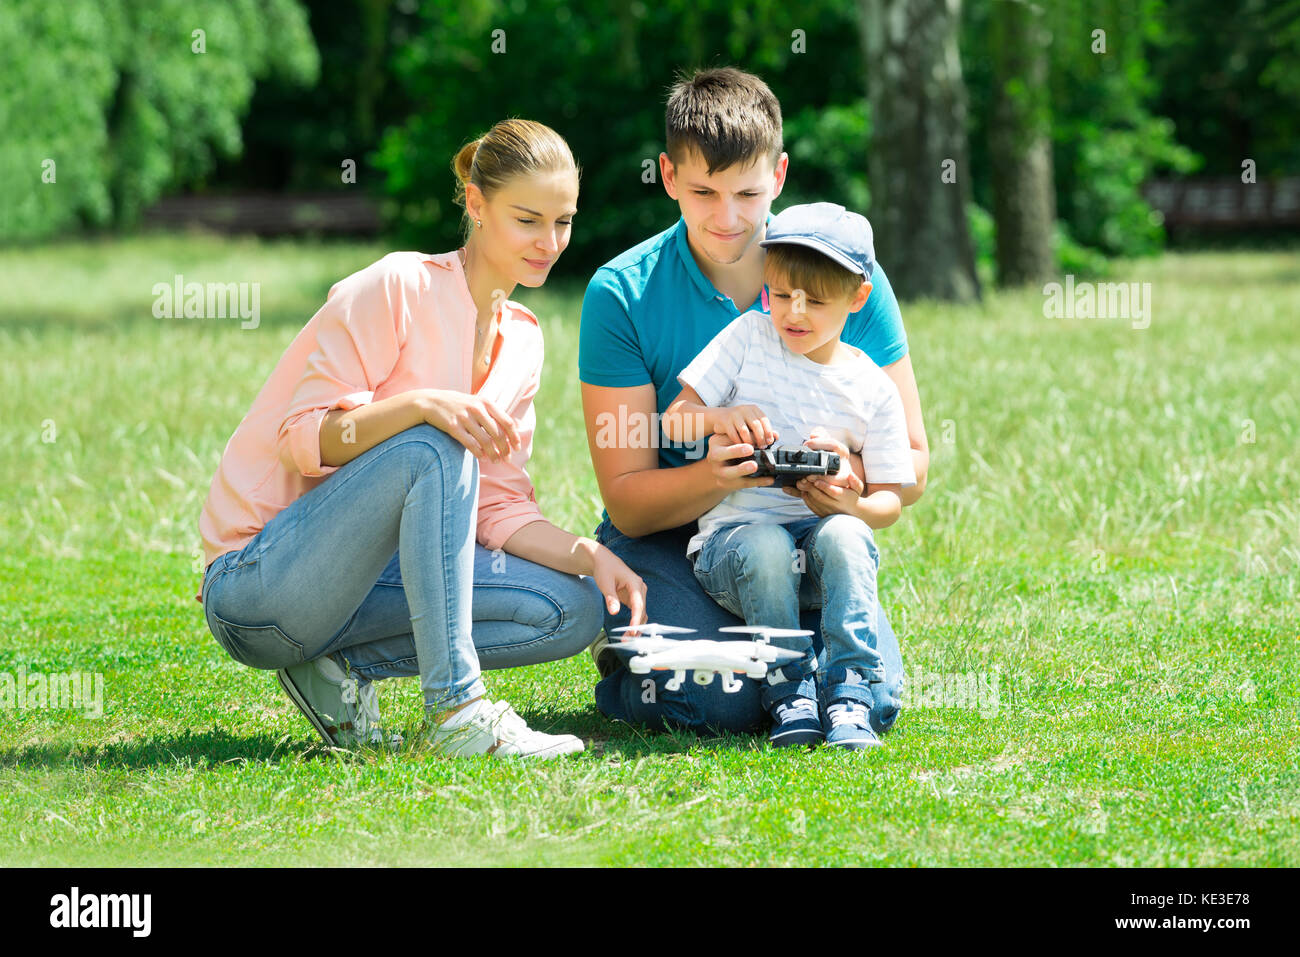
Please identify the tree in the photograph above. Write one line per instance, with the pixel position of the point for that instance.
(918, 168)
(1020, 144)
(114, 101)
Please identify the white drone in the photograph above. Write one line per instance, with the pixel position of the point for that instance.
(726, 659)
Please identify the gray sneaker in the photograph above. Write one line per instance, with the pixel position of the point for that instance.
(342, 707)
(494, 728)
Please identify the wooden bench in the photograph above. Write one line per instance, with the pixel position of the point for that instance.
(270, 214)
(1226, 203)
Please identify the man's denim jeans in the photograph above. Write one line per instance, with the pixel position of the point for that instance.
(766, 574)
(327, 575)
(675, 597)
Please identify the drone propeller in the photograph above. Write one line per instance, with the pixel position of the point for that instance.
(764, 632)
(652, 630)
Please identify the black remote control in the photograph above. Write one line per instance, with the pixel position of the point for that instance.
(789, 465)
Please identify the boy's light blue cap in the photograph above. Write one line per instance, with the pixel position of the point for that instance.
(840, 234)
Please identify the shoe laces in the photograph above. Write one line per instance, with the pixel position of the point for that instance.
(797, 709)
(363, 698)
(847, 712)
(505, 721)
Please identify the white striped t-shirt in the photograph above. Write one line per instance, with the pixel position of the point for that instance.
(747, 363)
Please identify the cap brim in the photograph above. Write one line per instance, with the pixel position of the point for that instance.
(812, 242)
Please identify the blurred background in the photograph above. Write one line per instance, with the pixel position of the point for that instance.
(1072, 131)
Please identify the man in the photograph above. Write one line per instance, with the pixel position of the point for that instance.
(645, 316)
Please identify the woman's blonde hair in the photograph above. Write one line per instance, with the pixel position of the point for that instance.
(511, 148)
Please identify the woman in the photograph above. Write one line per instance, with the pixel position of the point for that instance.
(340, 527)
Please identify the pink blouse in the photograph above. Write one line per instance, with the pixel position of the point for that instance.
(404, 322)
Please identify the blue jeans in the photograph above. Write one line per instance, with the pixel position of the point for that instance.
(766, 574)
(379, 563)
(673, 596)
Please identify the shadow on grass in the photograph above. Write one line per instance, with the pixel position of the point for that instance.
(201, 748)
(629, 741)
(206, 749)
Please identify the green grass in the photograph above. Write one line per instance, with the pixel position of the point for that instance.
(1112, 528)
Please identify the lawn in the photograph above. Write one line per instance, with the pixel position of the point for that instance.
(1108, 551)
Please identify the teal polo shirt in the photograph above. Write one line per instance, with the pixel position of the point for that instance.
(647, 313)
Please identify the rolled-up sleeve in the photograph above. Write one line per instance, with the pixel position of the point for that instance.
(358, 339)
(506, 500)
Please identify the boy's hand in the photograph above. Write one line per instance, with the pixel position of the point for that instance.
(826, 495)
(744, 424)
(827, 499)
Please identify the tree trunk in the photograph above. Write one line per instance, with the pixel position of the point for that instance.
(918, 169)
(1020, 144)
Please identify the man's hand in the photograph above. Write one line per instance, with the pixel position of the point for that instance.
(733, 477)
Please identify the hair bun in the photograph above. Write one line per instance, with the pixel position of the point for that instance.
(510, 148)
(463, 164)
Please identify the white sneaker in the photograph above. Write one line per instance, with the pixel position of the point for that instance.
(486, 727)
(341, 706)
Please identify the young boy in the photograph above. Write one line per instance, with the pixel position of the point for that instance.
(763, 553)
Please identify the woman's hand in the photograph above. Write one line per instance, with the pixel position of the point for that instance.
(616, 581)
(473, 421)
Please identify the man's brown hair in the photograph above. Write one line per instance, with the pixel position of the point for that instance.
(724, 114)
(799, 267)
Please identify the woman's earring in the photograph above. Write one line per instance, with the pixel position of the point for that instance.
(478, 223)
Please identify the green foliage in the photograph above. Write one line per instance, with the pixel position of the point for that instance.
(599, 75)
(297, 138)
(1104, 169)
(1107, 141)
(59, 79)
(1107, 138)
(128, 101)
(113, 94)
(983, 234)
(1228, 73)
(1074, 258)
(828, 149)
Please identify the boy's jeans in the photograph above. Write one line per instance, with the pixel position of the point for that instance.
(326, 575)
(673, 596)
(767, 573)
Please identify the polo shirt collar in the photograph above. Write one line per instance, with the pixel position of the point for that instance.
(702, 282)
